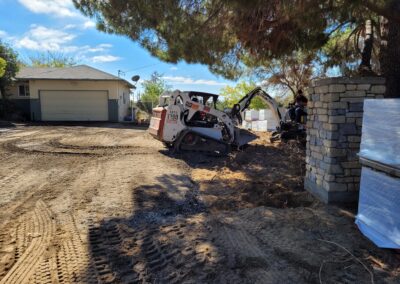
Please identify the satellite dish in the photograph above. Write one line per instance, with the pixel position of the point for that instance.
(135, 78)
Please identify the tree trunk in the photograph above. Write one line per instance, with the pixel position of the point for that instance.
(365, 68)
(390, 52)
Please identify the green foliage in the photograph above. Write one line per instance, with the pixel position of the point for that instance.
(232, 95)
(50, 59)
(221, 33)
(3, 65)
(343, 49)
(153, 89)
(287, 75)
(11, 69)
(224, 34)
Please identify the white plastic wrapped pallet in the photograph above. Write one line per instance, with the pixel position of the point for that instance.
(251, 115)
(262, 125)
(378, 209)
(254, 125)
(273, 121)
(381, 131)
(262, 114)
(246, 124)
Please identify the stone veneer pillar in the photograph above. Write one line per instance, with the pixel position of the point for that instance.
(334, 123)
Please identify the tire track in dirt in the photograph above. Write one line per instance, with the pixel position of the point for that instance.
(55, 148)
(68, 261)
(244, 252)
(42, 231)
(37, 147)
(169, 253)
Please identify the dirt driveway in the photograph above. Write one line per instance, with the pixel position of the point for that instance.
(108, 204)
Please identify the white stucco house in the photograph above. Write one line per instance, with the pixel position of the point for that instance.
(78, 93)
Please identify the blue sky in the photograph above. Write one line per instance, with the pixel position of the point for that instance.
(34, 26)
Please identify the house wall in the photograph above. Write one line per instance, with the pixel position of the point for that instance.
(117, 109)
(23, 104)
(123, 104)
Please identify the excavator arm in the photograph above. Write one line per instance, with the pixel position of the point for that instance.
(245, 102)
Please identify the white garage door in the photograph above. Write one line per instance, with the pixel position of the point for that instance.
(74, 105)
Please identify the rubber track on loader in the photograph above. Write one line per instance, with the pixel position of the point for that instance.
(200, 144)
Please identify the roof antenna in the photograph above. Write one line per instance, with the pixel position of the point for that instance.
(121, 73)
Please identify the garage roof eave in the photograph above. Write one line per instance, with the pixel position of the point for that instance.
(79, 72)
(73, 79)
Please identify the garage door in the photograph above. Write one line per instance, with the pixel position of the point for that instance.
(74, 105)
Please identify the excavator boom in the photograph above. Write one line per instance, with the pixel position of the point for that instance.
(244, 103)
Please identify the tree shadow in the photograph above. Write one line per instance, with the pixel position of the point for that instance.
(168, 238)
(6, 124)
(173, 236)
(258, 175)
(162, 241)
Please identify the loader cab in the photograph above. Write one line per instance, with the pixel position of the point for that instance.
(164, 100)
(206, 99)
(202, 118)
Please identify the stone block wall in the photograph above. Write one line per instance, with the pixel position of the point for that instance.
(334, 122)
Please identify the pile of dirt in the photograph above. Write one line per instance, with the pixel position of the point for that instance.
(263, 174)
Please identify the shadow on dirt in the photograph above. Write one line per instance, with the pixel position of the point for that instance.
(260, 175)
(154, 245)
(168, 238)
(6, 124)
(173, 237)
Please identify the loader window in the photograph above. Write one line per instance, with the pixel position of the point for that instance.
(197, 100)
(202, 119)
(179, 100)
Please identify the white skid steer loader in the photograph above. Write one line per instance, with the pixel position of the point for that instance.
(189, 121)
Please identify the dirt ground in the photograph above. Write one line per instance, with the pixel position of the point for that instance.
(109, 204)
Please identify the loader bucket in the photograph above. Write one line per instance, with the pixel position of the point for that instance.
(243, 137)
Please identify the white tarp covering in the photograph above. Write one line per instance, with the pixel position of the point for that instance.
(381, 131)
(378, 215)
(267, 114)
(261, 120)
(246, 124)
(251, 115)
(262, 125)
(259, 125)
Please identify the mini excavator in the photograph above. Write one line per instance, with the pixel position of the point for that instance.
(190, 121)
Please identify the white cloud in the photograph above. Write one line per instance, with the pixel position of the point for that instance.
(173, 68)
(41, 39)
(104, 58)
(3, 33)
(190, 81)
(89, 25)
(59, 8)
(97, 48)
(70, 27)
(45, 39)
